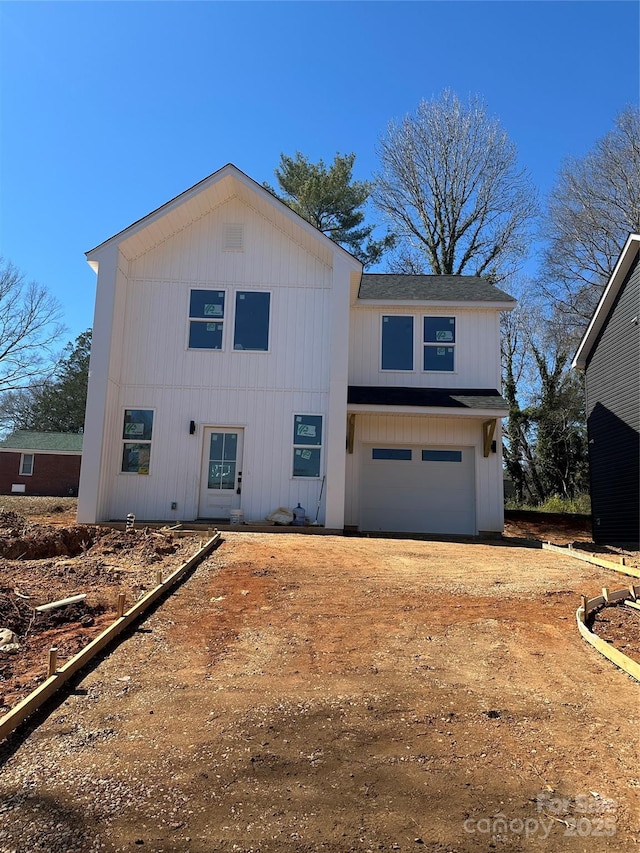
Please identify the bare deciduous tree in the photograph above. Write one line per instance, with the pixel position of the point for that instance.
(452, 190)
(591, 210)
(545, 449)
(29, 327)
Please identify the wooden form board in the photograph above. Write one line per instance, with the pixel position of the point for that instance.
(34, 700)
(591, 558)
(630, 666)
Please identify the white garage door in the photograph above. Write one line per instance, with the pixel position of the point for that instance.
(418, 489)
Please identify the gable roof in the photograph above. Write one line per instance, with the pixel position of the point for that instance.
(205, 196)
(627, 257)
(43, 442)
(431, 288)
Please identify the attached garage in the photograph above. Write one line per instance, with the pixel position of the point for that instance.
(418, 489)
(424, 461)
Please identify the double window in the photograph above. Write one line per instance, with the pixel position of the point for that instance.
(137, 430)
(208, 317)
(307, 445)
(438, 343)
(405, 454)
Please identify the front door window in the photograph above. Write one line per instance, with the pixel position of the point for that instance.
(223, 449)
(221, 478)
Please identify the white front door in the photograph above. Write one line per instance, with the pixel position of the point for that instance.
(221, 475)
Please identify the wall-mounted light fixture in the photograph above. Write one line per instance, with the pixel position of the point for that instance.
(192, 427)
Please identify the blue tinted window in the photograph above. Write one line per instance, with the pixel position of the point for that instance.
(252, 321)
(439, 330)
(442, 456)
(391, 453)
(307, 429)
(438, 358)
(306, 462)
(307, 441)
(397, 343)
(206, 310)
(205, 335)
(207, 304)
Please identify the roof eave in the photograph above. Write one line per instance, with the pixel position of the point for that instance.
(440, 303)
(226, 171)
(439, 411)
(627, 256)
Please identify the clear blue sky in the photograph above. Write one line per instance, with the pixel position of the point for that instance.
(108, 110)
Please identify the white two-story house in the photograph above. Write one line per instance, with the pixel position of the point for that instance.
(241, 360)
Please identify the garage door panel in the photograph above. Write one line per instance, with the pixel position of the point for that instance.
(419, 496)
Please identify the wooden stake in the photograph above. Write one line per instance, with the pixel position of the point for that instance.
(585, 605)
(632, 590)
(158, 577)
(53, 661)
(605, 594)
(120, 605)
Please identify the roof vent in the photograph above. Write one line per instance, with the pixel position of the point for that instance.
(233, 237)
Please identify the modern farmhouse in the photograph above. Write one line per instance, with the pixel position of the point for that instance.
(242, 361)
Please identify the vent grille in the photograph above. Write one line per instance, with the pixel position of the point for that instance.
(233, 237)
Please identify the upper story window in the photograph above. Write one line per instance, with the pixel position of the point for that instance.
(208, 316)
(397, 342)
(439, 340)
(26, 464)
(206, 319)
(251, 330)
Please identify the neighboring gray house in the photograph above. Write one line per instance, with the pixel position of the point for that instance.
(609, 354)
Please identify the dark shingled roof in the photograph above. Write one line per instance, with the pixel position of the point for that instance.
(43, 442)
(448, 398)
(426, 288)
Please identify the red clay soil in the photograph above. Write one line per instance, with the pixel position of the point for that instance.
(619, 625)
(320, 693)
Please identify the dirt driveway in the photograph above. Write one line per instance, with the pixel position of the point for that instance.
(337, 694)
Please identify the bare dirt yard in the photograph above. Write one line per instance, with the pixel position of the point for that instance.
(317, 693)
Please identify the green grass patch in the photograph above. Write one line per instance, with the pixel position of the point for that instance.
(580, 505)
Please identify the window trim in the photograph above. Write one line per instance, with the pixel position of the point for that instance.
(24, 473)
(300, 446)
(128, 440)
(432, 344)
(413, 343)
(222, 320)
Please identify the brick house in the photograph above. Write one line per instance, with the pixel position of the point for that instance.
(40, 463)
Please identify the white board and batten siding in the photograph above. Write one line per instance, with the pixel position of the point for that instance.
(151, 367)
(477, 347)
(462, 497)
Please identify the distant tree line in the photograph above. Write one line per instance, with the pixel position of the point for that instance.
(55, 400)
